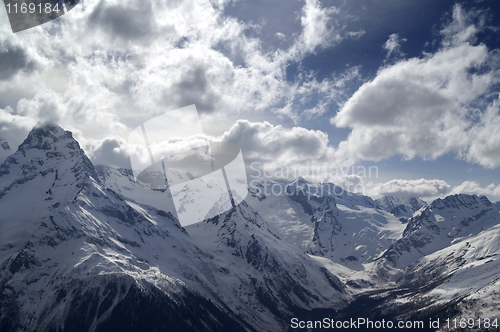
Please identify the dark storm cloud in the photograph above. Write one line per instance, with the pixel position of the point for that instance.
(12, 61)
(110, 151)
(194, 87)
(134, 22)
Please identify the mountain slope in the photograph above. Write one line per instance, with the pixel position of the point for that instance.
(445, 266)
(264, 268)
(5, 150)
(439, 225)
(467, 271)
(48, 166)
(325, 220)
(83, 252)
(281, 276)
(456, 282)
(78, 255)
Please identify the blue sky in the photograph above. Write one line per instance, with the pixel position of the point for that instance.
(410, 87)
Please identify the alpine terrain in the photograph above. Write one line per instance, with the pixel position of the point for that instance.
(77, 255)
(85, 248)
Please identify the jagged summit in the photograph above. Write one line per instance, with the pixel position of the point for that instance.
(451, 215)
(299, 184)
(43, 152)
(47, 138)
(460, 201)
(301, 180)
(401, 206)
(47, 171)
(440, 224)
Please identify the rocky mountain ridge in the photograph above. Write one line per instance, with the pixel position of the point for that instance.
(85, 248)
(78, 255)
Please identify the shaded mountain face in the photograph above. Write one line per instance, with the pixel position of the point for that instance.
(64, 235)
(465, 273)
(441, 262)
(80, 249)
(282, 276)
(446, 263)
(327, 221)
(49, 167)
(269, 271)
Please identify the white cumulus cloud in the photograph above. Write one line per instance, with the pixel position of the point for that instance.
(492, 191)
(424, 106)
(410, 188)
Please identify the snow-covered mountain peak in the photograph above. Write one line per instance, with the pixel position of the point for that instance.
(300, 181)
(440, 224)
(273, 264)
(401, 206)
(298, 185)
(47, 171)
(461, 201)
(85, 246)
(49, 137)
(47, 150)
(236, 226)
(326, 220)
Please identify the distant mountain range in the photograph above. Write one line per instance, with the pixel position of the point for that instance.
(84, 248)
(401, 206)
